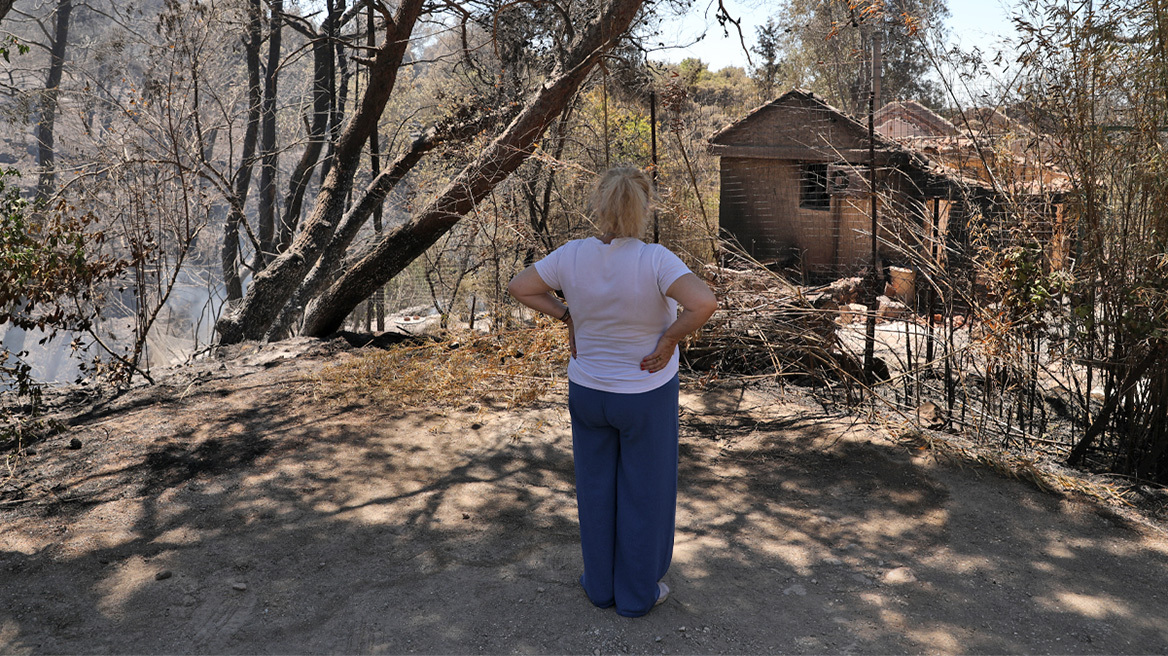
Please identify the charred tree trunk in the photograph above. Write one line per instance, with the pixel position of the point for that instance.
(369, 204)
(46, 184)
(378, 305)
(269, 158)
(5, 5)
(322, 65)
(331, 32)
(325, 269)
(1101, 420)
(400, 246)
(272, 287)
(230, 259)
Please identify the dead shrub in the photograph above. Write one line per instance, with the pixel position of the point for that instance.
(508, 369)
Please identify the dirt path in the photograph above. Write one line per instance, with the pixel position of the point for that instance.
(230, 511)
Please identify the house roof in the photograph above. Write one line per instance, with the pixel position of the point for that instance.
(794, 96)
(800, 125)
(996, 151)
(907, 118)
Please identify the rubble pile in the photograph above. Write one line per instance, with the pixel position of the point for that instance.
(767, 326)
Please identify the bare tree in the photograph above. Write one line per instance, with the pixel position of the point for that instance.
(825, 46)
(238, 197)
(275, 287)
(272, 287)
(48, 104)
(398, 247)
(269, 156)
(459, 126)
(317, 125)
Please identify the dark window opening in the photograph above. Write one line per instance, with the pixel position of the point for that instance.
(814, 193)
(840, 184)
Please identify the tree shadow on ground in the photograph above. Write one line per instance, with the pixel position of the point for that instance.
(262, 522)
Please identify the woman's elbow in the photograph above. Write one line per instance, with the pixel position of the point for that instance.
(702, 305)
(526, 284)
(707, 307)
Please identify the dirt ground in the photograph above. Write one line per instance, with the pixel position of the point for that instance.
(230, 509)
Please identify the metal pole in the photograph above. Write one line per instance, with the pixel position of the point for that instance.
(604, 99)
(653, 139)
(873, 301)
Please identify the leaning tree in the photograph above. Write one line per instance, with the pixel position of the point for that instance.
(317, 280)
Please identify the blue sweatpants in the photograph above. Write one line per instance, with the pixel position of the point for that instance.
(625, 450)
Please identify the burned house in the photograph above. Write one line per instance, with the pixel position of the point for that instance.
(795, 183)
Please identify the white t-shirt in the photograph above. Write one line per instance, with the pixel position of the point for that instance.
(619, 309)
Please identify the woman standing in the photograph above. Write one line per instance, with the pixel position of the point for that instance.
(623, 330)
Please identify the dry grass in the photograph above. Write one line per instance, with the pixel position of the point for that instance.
(510, 369)
(1030, 470)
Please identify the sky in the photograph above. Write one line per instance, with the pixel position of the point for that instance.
(980, 23)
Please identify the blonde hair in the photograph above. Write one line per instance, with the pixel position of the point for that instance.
(621, 201)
